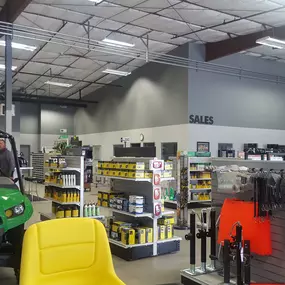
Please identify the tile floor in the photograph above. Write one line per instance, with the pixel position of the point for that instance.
(152, 271)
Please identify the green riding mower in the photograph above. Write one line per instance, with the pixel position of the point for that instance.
(15, 210)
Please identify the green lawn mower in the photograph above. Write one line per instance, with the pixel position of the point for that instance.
(15, 210)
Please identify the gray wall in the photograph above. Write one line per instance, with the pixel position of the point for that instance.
(54, 118)
(30, 118)
(152, 96)
(234, 101)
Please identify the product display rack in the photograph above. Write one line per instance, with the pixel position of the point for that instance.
(141, 187)
(74, 165)
(199, 179)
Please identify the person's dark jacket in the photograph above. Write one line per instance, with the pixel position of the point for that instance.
(7, 163)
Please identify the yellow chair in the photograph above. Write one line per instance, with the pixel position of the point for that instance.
(67, 252)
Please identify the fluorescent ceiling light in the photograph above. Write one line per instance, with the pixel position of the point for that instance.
(116, 72)
(60, 84)
(117, 43)
(271, 42)
(2, 66)
(96, 1)
(19, 46)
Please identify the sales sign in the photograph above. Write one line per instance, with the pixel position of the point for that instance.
(200, 119)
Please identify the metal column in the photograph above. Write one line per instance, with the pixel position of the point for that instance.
(8, 84)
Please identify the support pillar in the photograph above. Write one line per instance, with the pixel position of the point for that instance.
(8, 84)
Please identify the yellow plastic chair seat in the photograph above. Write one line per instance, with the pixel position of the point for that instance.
(67, 252)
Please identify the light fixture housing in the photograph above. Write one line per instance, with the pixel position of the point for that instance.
(96, 1)
(60, 84)
(2, 66)
(271, 42)
(19, 46)
(116, 72)
(117, 43)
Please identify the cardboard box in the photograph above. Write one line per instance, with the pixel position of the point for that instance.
(128, 236)
(166, 220)
(169, 231)
(161, 232)
(140, 235)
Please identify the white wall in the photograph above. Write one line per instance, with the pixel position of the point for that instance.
(236, 135)
(174, 133)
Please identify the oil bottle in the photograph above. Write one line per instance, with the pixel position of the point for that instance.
(67, 212)
(59, 212)
(75, 212)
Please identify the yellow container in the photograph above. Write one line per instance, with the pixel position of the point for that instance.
(116, 226)
(168, 165)
(161, 232)
(59, 213)
(140, 235)
(99, 202)
(105, 204)
(75, 213)
(169, 231)
(148, 174)
(148, 235)
(166, 220)
(100, 164)
(106, 172)
(128, 236)
(105, 195)
(100, 194)
(67, 213)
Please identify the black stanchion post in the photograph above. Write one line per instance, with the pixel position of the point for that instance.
(227, 260)
(247, 256)
(238, 254)
(192, 238)
(203, 236)
(212, 234)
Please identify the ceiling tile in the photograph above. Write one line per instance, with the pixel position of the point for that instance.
(241, 27)
(76, 73)
(129, 16)
(162, 24)
(134, 30)
(195, 15)
(207, 36)
(86, 63)
(47, 57)
(56, 12)
(271, 18)
(240, 8)
(110, 25)
(41, 68)
(153, 6)
(167, 38)
(128, 3)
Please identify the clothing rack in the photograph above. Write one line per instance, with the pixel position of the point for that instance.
(264, 269)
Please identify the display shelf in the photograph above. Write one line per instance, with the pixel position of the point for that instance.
(63, 187)
(199, 170)
(118, 243)
(143, 215)
(62, 169)
(170, 239)
(134, 179)
(199, 201)
(200, 189)
(200, 179)
(63, 203)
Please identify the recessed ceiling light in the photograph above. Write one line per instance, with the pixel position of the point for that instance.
(271, 42)
(60, 84)
(96, 1)
(117, 43)
(2, 66)
(116, 72)
(19, 46)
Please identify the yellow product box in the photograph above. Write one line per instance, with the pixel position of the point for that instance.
(106, 172)
(105, 195)
(126, 165)
(116, 226)
(140, 235)
(148, 174)
(100, 164)
(169, 232)
(100, 194)
(99, 202)
(137, 165)
(166, 220)
(128, 236)
(136, 174)
(124, 173)
(168, 165)
(105, 164)
(161, 232)
(105, 203)
(117, 172)
(112, 172)
(167, 173)
(100, 172)
(148, 235)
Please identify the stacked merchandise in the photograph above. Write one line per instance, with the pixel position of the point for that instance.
(165, 227)
(107, 199)
(137, 170)
(91, 210)
(130, 233)
(62, 196)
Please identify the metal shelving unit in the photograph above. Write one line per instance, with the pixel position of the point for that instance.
(141, 187)
(75, 165)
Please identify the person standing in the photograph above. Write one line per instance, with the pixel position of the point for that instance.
(7, 163)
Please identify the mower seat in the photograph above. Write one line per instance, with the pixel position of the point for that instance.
(67, 251)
